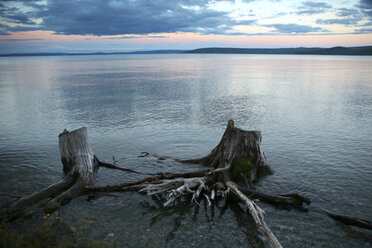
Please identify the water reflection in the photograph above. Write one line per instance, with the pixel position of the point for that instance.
(314, 113)
(183, 210)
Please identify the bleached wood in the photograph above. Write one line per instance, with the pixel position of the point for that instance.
(77, 155)
(181, 184)
(79, 165)
(78, 159)
(257, 215)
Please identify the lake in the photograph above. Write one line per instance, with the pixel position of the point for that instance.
(315, 114)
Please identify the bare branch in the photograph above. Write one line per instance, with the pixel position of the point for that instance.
(257, 215)
(112, 166)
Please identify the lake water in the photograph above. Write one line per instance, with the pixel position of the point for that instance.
(315, 114)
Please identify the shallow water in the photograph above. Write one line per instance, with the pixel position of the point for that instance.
(315, 114)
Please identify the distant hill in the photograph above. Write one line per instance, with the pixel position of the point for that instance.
(157, 52)
(366, 50)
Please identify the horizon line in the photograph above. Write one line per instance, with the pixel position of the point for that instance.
(203, 50)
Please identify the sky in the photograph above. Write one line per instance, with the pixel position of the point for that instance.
(28, 26)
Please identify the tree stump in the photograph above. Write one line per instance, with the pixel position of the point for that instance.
(239, 154)
(79, 165)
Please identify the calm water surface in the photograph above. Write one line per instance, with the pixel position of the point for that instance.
(315, 114)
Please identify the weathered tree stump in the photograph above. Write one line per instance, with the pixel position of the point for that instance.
(239, 154)
(79, 165)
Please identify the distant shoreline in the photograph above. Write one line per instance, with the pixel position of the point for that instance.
(360, 51)
(353, 51)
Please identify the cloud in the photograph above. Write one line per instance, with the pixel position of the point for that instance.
(367, 24)
(141, 17)
(316, 5)
(14, 15)
(245, 22)
(294, 28)
(248, 1)
(4, 32)
(343, 12)
(131, 37)
(114, 17)
(366, 7)
(131, 19)
(18, 18)
(309, 11)
(364, 30)
(19, 39)
(348, 16)
(3, 29)
(366, 4)
(344, 21)
(6, 28)
(311, 8)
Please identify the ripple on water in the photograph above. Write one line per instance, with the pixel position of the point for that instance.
(315, 122)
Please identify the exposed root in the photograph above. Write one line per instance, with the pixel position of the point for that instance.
(182, 186)
(207, 198)
(153, 179)
(213, 194)
(257, 214)
(176, 188)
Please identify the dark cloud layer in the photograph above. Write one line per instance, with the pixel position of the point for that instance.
(96, 17)
(366, 7)
(141, 17)
(134, 18)
(366, 4)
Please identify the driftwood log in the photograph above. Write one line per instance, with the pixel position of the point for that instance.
(350, 220)
(232, 169)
